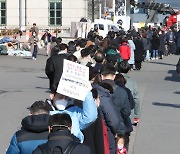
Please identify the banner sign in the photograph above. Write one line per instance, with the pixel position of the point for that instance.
(74, 81)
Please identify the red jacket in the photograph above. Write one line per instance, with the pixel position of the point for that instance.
(125, 51)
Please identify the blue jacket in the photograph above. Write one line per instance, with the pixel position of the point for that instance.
(33, 133)
(81, 118)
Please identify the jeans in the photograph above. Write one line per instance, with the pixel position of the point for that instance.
(155, 54)
(147, 55)
(35, 52)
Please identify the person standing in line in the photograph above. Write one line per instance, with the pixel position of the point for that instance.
(131, 84)
(132, 47)
(147, 46)
(125, 50)
(34, 130)
(178, 42)
(170, 37)
(120, 100)
(162, 38)
(139, 53)
(60, 139)
(155, 46)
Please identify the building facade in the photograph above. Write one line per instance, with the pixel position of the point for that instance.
(45, 13)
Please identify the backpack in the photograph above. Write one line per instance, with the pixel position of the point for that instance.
(68, 150)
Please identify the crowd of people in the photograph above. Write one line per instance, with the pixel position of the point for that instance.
(104, 121)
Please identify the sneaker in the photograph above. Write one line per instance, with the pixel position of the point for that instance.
(136, 120)
(153, 58)
(33, 58)
(157, 58)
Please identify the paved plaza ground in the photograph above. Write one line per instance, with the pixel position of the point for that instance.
(23, 81)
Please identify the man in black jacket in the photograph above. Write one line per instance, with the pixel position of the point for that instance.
(54, 67)
(34, 130)
(60, 139)
(120, 99)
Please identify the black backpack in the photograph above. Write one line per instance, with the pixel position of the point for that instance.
(68, 150)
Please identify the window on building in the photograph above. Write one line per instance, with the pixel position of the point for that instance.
(2, 12)
(55, 12)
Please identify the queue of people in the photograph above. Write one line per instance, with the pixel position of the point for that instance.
(104, 121)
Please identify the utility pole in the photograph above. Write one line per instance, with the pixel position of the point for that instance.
(105, 6)
(20, 14)
(100, 7)
(92, 10)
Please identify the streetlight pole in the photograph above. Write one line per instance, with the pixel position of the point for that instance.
(20, 14)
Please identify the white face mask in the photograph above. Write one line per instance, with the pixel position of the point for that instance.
(120, 146)
(61, 104)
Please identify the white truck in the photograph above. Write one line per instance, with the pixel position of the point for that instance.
(104, 26)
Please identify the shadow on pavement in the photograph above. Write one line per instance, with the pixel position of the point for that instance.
(174, 76)
(166, 104)
(3, 91)
(28, 58)
(162, 63)
(47, 89)
(176, 92)
(42, 77)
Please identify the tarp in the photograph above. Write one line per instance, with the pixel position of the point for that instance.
(12, 52)
(5, 40)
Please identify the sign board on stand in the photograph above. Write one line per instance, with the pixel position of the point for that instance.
(74, 81)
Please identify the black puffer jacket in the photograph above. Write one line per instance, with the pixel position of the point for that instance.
(62, 139)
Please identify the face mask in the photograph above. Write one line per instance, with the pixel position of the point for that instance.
(120, 146)
(61, 104)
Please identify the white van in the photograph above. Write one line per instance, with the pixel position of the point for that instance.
(104, 26)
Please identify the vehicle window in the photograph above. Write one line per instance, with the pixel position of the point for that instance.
(115, 28)
(101, 27)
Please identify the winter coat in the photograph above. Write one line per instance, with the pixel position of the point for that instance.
(139, 51)
(48, 39)
(178, 39)
(54, 69)
(127, 120)
(125, 51)
(146, 43)
(132, 46)
(162, 39)
(170, 36)
(132, 85)
(109, 115)
(63, 138)
(81, 118)
(93, 136)
(34, 132)
(113, 52)
(121, 102)
(155, 43)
